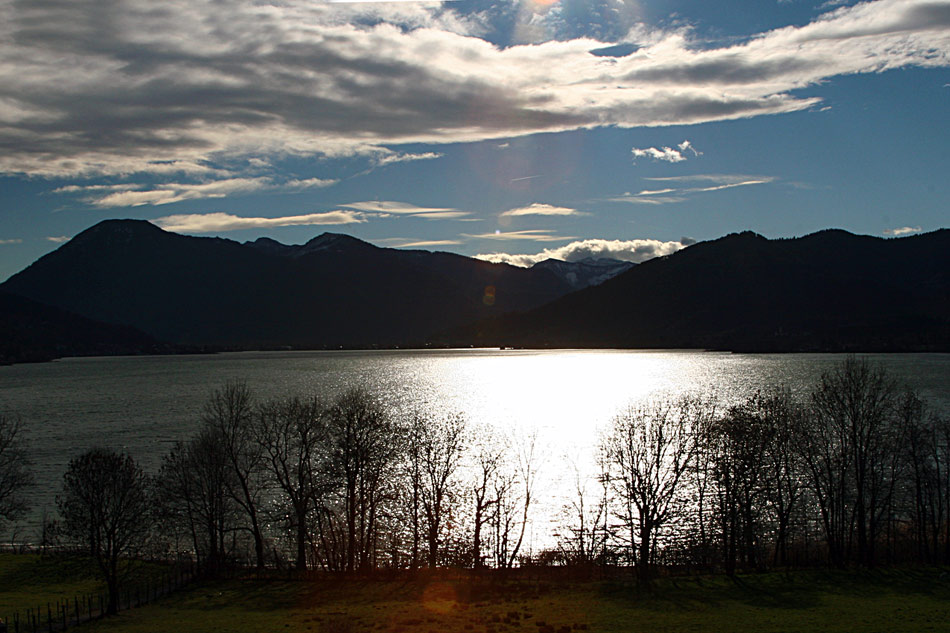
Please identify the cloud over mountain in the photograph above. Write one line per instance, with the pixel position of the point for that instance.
(624, 250)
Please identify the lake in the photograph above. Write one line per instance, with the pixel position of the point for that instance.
(142, 405)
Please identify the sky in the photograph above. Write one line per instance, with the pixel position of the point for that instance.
(513, 130)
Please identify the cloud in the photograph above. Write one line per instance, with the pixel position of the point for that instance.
(128, 86)
(540, 208)
(904, 230)
(214, 222)
(135, 195)
(389, 207)
(59, 239)
(624, 250)
(426, 243)
(535, 235)
(11, 241)
(667, 154)
(390, 158)
(716, 182)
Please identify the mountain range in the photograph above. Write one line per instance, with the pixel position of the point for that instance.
(828, 291)
(333, 291)
(831, 290)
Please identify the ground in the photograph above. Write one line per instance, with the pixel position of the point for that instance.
(891, 600)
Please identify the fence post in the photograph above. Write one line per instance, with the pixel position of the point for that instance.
(49, 618)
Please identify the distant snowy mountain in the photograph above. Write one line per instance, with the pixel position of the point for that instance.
(590, 271)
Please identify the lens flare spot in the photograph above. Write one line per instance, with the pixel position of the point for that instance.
(489, 297)
(439, 597)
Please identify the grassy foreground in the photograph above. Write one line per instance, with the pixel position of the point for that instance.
(31, 580)
(886, 600)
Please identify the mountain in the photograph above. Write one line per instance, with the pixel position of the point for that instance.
(831, 290)
(334, 290)
(36, 332)
(589, 271)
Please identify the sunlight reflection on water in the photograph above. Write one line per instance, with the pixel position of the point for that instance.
(143, 404)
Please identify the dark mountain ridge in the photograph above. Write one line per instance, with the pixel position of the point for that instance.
(34, 332)
(830, 290)
(334, 290)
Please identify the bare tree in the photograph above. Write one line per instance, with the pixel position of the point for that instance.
(927, 452)
(363, 445)
(488, 461)
(193, 491)
(587, 537)
(15, 474)
(738, 443)
(850, 436)
(513, 488)
(441, 444)
(229, 414)
(650, 449)
(292, 435)
(105, 506)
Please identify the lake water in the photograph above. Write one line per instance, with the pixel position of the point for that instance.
(142, 405)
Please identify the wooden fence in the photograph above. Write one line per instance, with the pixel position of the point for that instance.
(65, 613)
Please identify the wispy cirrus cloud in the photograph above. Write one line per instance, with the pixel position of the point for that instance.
(389, 207)
(534, 235)
(402, 243)
(58, 239)
(904, 230)
(135, 195)
(14, 240)
(624, 250)
(680, 188)
(221, 222)
(540, 208)
(192, 84)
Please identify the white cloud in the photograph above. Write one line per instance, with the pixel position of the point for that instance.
(135, 195)
(11, 241)
(904, 230)
(59, 239)
(624, 250)
(717, 182)
(667, 154)
(534, 235)
(389, 207)
(540, 208)
(647, 199)
(427, 243)
(214, 222)
(389, 158)
(119, 88)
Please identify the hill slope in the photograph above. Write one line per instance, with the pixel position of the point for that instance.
(35, 332)
(831, 290)
(334, 290)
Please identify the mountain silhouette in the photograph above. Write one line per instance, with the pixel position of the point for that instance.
(335, 290)
(831, 290)
(35, 332)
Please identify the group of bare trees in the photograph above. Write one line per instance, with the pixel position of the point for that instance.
(342, 485)
(856, 471)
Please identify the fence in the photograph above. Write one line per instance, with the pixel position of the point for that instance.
(62, 614)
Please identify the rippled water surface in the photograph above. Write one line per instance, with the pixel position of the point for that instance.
(143, 404)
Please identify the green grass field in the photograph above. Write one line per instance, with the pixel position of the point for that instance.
(891, 600)
(31, 580)
(881, 600)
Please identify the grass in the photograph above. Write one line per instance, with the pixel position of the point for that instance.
(32, 580)
(888, 600)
